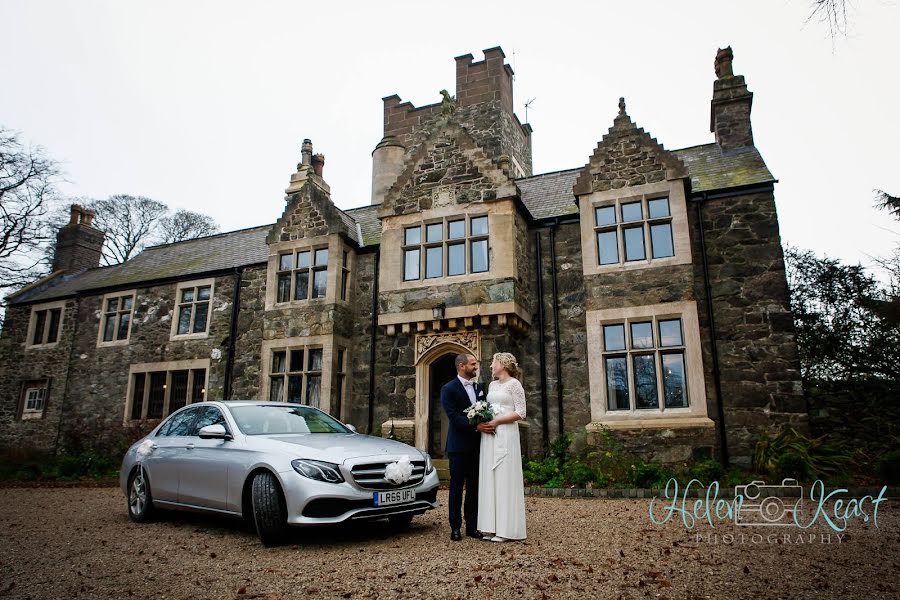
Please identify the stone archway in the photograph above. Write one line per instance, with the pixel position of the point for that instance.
(429, 348)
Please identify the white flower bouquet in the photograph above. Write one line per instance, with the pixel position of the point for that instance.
(480, 412)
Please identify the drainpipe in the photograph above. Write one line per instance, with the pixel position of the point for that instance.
(717, 380)
(559, 384)
(372, 343)
(232, 334)
(542, 353)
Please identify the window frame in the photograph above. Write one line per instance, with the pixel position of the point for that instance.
(631, 352)
(104, 316)
(695, 413)
(467, 240)
(146, 370)
(196, 284)
(47, 309)
(23, 413)
(304, 373)
(645, 225)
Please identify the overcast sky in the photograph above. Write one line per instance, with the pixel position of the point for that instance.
(203, 105)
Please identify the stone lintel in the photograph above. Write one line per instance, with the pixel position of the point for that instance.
(653, 423)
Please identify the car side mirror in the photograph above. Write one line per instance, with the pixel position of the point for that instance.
(350, 427)
(215, 432)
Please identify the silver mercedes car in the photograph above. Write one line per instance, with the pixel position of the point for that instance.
(275, 464)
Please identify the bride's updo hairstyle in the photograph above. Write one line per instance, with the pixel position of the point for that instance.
(509, 363)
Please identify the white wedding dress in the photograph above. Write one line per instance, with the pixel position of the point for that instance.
(501, 489)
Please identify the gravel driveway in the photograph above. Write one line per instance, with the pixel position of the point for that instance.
(79, 543)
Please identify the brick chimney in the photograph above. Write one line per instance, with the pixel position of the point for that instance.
(79, 245)
(730, 107)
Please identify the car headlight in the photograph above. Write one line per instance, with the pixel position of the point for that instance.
(318, 470)
(428, 466)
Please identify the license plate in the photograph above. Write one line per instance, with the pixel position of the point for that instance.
(394, 497)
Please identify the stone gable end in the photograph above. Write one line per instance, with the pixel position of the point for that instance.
(627, 156)
(447, 168)
(309, 213)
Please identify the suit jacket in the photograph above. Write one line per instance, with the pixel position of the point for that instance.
(461, 436)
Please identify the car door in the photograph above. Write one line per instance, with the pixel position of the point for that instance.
(167, 450)
(203, 478)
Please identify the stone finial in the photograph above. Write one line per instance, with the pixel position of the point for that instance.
(622, 107)
(724, 56)
(318, 163)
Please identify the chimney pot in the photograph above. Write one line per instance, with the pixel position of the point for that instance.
(724, 57)
(318, 163)
(306, 151)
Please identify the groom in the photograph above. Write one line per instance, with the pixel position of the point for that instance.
(463, 444)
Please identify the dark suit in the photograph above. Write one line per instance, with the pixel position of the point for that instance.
(463, 445)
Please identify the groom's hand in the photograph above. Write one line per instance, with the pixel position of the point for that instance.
(485, 428)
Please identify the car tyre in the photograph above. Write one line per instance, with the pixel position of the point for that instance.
(400, 522)
(139, 498)
(269, 510)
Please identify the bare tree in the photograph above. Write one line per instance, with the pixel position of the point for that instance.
(129, 222)
(185, 225)
(28, 180)
(833, 13)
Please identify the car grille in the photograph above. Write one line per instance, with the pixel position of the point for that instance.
(371, 475)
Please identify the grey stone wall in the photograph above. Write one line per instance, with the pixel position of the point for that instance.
(17, 365)
(759, 362)
(98, 384)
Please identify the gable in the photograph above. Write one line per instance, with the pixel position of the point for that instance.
(311, 213)
(447, 167)
(627, 156)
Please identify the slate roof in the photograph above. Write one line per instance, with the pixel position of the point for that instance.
(550, 194)
(545, 196)
(192, 257)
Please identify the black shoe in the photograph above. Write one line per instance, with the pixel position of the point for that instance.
(455, 535)
(474, 534)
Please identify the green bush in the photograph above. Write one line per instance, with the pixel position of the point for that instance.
(793, 452)
(539, 472)
(650, 475)
(577, 473)
(706, 471)
(889, 467)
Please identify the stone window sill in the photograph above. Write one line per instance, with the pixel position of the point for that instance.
(653, 423)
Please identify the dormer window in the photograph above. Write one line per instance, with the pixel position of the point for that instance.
(449, 247)
(302, 274)
(637, 230)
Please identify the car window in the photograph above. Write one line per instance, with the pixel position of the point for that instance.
(268, 419)
(209, 415)
(178, 424)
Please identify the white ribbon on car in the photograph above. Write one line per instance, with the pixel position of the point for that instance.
(399, 472)
(146, 448)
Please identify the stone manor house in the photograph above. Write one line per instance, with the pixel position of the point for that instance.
(643, 291)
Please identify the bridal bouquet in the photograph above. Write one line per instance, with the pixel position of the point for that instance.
(480, 412)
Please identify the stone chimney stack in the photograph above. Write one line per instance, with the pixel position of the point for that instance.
(79, 245)
(730, 107)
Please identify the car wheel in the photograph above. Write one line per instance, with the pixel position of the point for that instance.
(400, 522)
(140, 501)
(269, 511)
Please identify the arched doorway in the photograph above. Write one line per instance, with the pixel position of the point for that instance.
(440, 371)
(435, 356)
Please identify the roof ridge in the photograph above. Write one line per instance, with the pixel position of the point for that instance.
(204, 237)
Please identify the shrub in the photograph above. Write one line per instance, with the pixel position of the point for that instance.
(650, 475)
(706, 471)
(577, 473)
(809, 457)
(539, 472)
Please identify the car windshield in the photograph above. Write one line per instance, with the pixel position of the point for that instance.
(269, 420)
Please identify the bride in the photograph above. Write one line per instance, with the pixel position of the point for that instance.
(501, 490)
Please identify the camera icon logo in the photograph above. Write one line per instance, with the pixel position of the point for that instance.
(760, 504)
